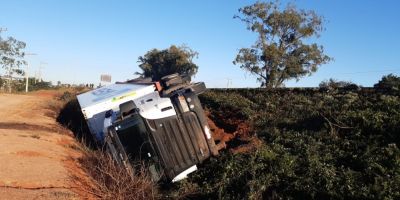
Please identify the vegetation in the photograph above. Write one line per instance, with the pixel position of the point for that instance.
(36, 85)
(280, 53)
(390, 81)
(19, 85)
(109, 181)
(2, 83)
(335, 84)
(158, 63)
(316, 145)
(12, 57)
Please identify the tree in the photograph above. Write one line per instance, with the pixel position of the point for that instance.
(280, 54)
(389, 81)
(12, 57)
(158, 63)
(335, 84)
(1, 83)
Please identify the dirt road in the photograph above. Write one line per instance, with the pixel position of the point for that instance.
(35, 151)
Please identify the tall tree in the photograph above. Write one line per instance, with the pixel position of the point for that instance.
(12, 57)
(280, 53)
(158, 63)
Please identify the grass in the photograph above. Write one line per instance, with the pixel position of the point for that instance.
(109, 181)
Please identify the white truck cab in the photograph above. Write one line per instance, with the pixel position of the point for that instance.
(160, 124)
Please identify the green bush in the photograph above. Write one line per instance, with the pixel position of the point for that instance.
(335, 84)
(317, 145)
(390, 81)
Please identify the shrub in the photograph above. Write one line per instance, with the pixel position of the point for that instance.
(66, 96)
(335, 84)
(111, 181)
(390, 81)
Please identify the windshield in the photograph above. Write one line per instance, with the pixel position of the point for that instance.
(132, 134)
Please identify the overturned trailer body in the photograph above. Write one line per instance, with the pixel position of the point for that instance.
(159, 124)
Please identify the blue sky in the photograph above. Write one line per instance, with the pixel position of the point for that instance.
(82, 39)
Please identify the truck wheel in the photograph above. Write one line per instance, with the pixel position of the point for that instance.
(171, 80)
(198, 87)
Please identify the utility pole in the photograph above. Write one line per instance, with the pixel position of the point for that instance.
(26, 73)
(40, 69)
(36, 75)
(26, 77)
(229, 81)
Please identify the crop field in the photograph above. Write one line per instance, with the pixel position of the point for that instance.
(302, 144)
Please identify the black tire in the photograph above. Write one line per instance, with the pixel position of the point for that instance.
(171, 80)
(168, 77)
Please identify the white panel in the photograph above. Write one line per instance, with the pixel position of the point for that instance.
(95, 103)
(110, 99)
(112, 92)
(152, 106)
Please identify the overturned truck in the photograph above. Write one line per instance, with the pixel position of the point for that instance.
(160, 124)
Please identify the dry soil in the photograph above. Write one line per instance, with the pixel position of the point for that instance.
(35, 152)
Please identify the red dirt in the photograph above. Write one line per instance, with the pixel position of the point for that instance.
(36, 158)
(44, 93)
(242, 133)
(219, 134)
(28, 153)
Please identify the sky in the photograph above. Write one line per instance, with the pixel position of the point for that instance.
(76, 41)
